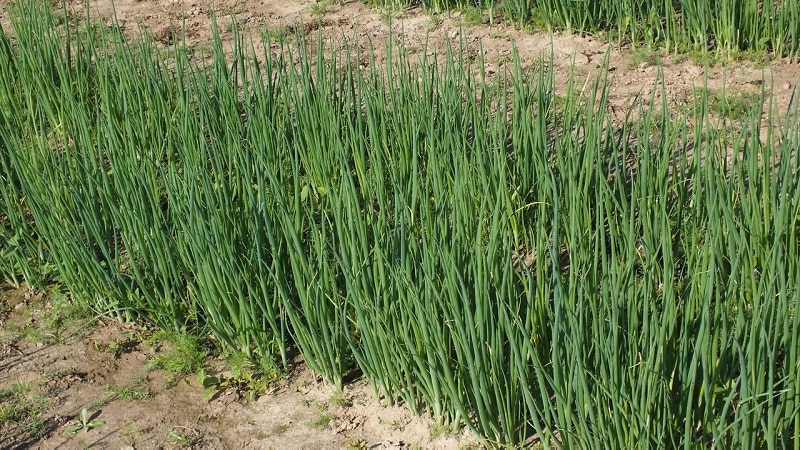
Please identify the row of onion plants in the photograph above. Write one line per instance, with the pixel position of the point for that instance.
(497, 254)
(675, 25)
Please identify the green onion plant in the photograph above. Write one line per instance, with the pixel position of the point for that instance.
(501, 255)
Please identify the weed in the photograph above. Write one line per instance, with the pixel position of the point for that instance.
(132, 391)
(129, 435)
(57, 373)
(175, 438)
(113, 347)
(703, 58)
(441, 429)
(182, 353)
(322, 421)
(16, 390)
(338, 400)
(396, 425)
(21, 412)
(99, 403)
(59, 319)
(472, 15)
(645, 55)
(275, 35)
(433, 22)
(203, 49)
(248, 376)
(731, 105)
(180, 439)
(391, 12)
(85, 422)
(319, 7)
(356, 444)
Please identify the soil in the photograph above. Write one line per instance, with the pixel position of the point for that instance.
(71, 372)
(102, 365)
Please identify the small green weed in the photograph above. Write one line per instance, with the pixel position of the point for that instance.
(135, 390)
(703, 58)
(275, 35)
(99, 403)
(322, 421)
(175, 438)
(247, 376)
(21, 412)
(130, 435)
(179, 438)
(85, 422)
(57, 373)
(113, 347)
(444, 428)
(117, 347)
(338, 400)
(356, 444)
(52, 321)
(731, 105)
(319, 7)
(66, 318)
(473, 16)
(645, 55)
(177, 353)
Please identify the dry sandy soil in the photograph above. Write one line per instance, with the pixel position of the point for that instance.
(67, 364)
(80, 371)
